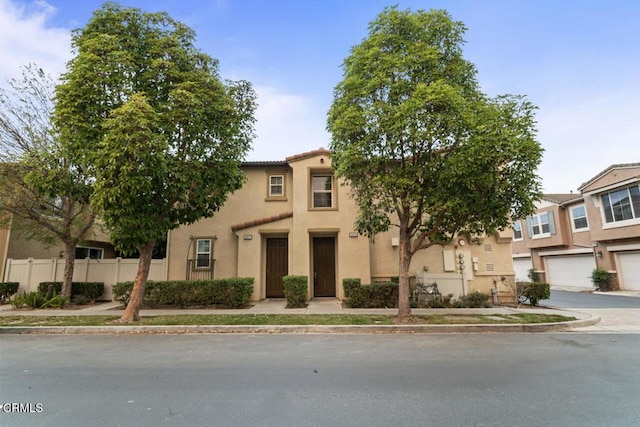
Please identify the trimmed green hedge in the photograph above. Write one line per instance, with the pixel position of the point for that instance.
(233, 292)
(295, 290)
(7, 289)
(90, 290)
(375, 295)
(536, 291)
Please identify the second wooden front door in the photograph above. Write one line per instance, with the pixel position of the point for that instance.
(277, 266)
(324, 266)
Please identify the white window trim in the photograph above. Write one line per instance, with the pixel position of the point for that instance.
(198, 253)
(271, 185)
(332, 191)
(521, 238)
(573, 225)
(540, 235)
(615, 224)
(94, 248)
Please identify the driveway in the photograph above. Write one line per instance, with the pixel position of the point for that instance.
(619, 313)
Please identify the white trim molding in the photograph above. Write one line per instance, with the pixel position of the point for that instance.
(521, 255)
(617, 248)
(615, 186)
(568, 252)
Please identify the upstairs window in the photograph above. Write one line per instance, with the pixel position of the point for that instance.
(276, 185)
(579, 218)
(541, 225)
(322, 191)
(621, 205)
(517, 230)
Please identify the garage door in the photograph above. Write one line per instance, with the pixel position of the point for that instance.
(630, 271)
(574, 270)
(522, 267)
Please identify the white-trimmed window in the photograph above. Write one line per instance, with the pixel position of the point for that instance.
(203, 253)
(579, 218)
(276, 185)
(621, 205)
(322, 191)
(83, 252)
(541, 225)
(517, 230)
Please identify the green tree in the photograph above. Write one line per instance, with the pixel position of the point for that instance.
(147, 113)
(422, 148)
(42, 195)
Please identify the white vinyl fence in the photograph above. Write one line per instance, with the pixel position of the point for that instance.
(30, 272)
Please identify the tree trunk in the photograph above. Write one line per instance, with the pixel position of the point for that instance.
(131, 313)
(69, 261)
(404, 304)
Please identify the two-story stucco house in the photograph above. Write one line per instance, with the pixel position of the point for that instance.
(294, 217)
(571, 234)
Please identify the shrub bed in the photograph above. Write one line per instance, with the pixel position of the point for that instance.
(473, 300)
(89, 290)
(295, 291)
(375, 295)
(536, 291)
(232, 293)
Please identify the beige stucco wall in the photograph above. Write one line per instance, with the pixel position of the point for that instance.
(243, 252)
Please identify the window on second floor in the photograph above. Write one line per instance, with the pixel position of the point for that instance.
(517, 230)
(322, 191)
(579, 218)
(621, 205)
(541, 225)
(276, 185)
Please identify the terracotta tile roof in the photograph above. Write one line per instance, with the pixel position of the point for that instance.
(265, 163)
(319, 152)
(562, 198)
(261, 221)
(606, 171)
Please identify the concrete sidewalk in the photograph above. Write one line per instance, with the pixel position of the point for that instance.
(316, 306)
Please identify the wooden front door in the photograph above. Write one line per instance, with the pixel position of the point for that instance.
(324, 266)
(277, 266)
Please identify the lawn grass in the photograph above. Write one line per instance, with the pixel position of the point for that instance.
(284, 319)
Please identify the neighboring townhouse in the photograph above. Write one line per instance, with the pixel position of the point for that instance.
(571, 234)
(294, 217)
(14, 245)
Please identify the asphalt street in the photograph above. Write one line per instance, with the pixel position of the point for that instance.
(322, 380)
(565, 299)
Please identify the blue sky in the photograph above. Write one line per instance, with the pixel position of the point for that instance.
(577, 60)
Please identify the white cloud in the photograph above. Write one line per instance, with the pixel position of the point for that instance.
(26, 36)
(287, 124)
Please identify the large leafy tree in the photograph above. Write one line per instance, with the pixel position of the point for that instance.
(421, 146)
(148, 114)
(43, 195)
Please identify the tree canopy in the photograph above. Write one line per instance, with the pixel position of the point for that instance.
(421, 146)
(147, 112)
(43, 196)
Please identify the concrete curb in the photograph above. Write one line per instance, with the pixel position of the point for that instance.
(300, 329)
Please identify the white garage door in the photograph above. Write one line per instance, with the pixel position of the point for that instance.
(522, 267)
(630, 271)
(574, 270)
